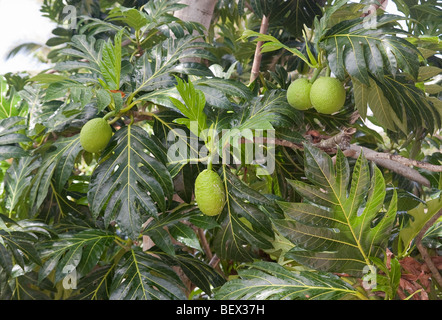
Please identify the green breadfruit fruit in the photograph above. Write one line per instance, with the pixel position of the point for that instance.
(298, 94)
(327, 95)
(209, 193)
(95, 135)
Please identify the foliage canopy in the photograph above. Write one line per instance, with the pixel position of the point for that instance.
(312, 199)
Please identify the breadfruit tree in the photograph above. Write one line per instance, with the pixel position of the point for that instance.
(257, 150)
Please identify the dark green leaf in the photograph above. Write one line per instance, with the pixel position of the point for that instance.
(84, 47)
(57, 163)
(20, 246)
(199, 272)
(154, 68)
(352, 47)
(141, 276)
(25, 287)
(95, 285)
(265, 112)
(185, 235)
(333, 228)
(10, 138)
(271, 281)
(131, 181)
(79, 251)
(243, 225)
(18, 183)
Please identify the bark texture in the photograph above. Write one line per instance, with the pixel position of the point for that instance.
(197, 10)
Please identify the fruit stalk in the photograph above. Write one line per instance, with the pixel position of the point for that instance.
(316, 74)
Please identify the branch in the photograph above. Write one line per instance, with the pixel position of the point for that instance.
(341, 140)
(423, 250)
(409, 162)
(395, 163)
(203, 240)
(213, 258)
(384, 161)
(258, 55)
(279, 142)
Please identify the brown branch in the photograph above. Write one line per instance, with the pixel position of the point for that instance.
(214, 260)
(214, 263)
(279, 142)
(409, 162)
(423, 251)
(341, 140)
(395, 163)
(392, 165)
(203, 241)
(373, 7)
(258, 55)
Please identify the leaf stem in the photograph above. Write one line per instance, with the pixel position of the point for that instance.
(316, 74)
(130, 106)
(109, 114)
(114, 120)
(209, 163)
(120, 113)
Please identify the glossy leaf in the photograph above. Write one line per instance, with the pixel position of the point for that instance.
(11, 137)
(155, 68)
(94, 285)
(24, 286)
(199, 272)
(292, 15)
(79, 251)
(17, 184)
(266, 112)
(18, 246)
(85, 48)
(243, 225)
(58, 161)
(337, 227)
(271, 281)
(131, 182)
(358, 49)
(141, 276)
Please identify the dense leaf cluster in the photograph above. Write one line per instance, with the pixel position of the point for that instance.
(123, 224)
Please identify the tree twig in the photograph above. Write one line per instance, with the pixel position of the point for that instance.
(390, 164)
(204, 243)
(258, 55)
(423, 251)
(395, 163)
(409, 162)
(341, 140)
